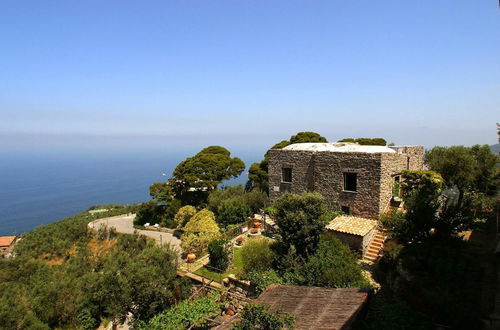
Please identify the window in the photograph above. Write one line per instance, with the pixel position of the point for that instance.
(350, 182)
(286, 175)
(345, 210)
(396, 187)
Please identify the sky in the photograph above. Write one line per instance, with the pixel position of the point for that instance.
(246, 73)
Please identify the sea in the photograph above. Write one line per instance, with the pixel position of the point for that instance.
(38, 188)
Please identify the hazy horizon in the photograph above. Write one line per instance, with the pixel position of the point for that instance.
(245, 74)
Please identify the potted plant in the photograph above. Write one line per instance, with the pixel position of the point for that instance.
(191, 257)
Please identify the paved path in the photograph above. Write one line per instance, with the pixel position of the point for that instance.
(124, 224)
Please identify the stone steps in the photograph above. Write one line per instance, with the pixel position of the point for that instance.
(372, 252)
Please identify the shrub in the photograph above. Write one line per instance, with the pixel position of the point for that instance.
(197, 242)
(219, 257)
(333, 265)
(397, 316)
(262, 279)
(233, 211)
(202, 222)
(300, 220)
(149, 212)
(259, 316)
(183, 216)
(256, 255)
(397, 226)
(186, 315)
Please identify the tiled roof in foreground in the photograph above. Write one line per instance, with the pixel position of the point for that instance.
(316, 308)
(352, 225)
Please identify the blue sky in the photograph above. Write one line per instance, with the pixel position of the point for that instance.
(241, 73)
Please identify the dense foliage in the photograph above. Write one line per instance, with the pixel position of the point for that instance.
(232, 205)
(259, 316)
(367, 141)
(256, 255)
(466, 169)
(333, 265)
(194, 177)
(65, 276)
(199, 231)
(183, 216)
(218, 254)
(186, 314)
(300, 220)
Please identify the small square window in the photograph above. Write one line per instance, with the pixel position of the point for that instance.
(350, 182)
(286, 175)
(345, 210)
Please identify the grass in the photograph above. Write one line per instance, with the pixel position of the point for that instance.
(218, 277)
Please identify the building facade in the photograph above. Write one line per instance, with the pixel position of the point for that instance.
(359, 180)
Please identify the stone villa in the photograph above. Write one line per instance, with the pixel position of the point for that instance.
(360, 180)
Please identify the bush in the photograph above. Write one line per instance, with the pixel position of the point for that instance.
(256, 255)
(259, 316)
(397, 226)
(186, 315)
(255, 199)
(300, 220)
(219, 257)
(197, 242)
(149, 212)
(397, 316)
(202, 222)
(183, 216)
(233, 211)
(262, 279)
(333, 265)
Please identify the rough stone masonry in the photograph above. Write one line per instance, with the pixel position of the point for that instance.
(358, 179)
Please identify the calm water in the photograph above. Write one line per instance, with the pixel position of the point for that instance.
(40, 188)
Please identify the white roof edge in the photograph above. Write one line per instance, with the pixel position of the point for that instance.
(339, 147)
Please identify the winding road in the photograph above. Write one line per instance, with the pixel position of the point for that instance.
(124, 224)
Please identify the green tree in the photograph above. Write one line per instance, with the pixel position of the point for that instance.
(332, 265)
(218, 254)
(205, 170)
(300, 220)
(233, 211)
(305, 137)
(202, 222)
(259, 316)
(469, 170)
(367, 141)
(161, 192)
(183, 216)
(256, 255)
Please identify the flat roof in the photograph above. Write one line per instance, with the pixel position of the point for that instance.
(339, 147)
(352, 225)
(6, 240)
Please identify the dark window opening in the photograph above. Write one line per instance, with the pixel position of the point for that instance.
(350, 182)
(345, 210)
(396, 187)
(286, 175)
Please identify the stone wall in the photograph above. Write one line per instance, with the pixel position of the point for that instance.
(323, 172)
(406, 158)
(354, 242)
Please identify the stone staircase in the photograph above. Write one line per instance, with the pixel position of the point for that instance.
(372, 253)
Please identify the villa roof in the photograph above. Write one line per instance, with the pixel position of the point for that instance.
(339, 147)
(314, 307)
(7, 240)
(352, 225)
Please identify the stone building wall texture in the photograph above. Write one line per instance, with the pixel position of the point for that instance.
(323, 172)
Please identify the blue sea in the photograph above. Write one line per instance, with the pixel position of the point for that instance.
(38, 188)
